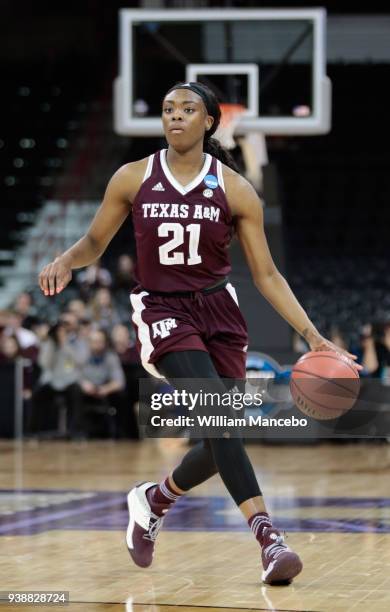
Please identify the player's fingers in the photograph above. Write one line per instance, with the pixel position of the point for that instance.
(52, 280)
(355, 365)
(41, 279)
(347, 354)
(322, 347)
(45, 280)
(352, 359)
(62, 281)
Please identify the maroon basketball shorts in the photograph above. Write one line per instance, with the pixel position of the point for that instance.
(210, 322)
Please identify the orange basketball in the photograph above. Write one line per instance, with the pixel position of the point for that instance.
(324, 384)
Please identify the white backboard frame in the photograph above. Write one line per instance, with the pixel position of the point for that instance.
(318, 123)
(251, 70)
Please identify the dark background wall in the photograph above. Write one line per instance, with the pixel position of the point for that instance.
(333, 191)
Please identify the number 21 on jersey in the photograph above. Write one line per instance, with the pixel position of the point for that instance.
(168, 255)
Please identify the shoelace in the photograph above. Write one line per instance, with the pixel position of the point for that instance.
(276, 548)
(154, 527)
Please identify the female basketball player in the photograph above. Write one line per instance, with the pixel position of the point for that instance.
(185, 201)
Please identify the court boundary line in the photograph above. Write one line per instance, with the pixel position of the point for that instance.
(156, 603)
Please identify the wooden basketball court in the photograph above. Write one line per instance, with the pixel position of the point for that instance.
(63, 519)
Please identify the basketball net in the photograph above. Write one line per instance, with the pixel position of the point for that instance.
(230, 116)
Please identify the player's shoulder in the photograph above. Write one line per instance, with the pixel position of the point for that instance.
(235, 183)
(240, 194)
(128, 178)
(132, 169)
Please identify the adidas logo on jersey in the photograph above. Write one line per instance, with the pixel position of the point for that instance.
(234, 389)
(158, 187)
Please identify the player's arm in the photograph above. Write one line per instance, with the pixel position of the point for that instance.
(248, 210)
(112, 212)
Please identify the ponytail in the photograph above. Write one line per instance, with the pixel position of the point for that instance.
(214, 147)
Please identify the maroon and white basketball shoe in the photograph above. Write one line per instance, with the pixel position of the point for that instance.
(280, 563)
(144, 524)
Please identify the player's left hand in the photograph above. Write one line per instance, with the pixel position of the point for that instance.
(322, 344)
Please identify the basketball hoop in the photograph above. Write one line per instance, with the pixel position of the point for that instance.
(230, 116)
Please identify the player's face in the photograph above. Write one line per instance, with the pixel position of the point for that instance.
(185, 119)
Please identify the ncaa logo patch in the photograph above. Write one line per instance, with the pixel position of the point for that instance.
(211, 181)
(208, 193)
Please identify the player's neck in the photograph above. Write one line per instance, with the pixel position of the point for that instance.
(186, 163)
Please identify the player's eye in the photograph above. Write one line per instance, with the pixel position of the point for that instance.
(167, 110)
(190, 110)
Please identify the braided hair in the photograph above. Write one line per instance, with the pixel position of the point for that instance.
(210, 100)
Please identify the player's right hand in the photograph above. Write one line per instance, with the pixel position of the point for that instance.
(55, 276)
(320, 343)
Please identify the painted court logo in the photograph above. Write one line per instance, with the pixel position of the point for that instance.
(163, 328)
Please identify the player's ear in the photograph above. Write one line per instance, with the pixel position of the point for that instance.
(209, 122)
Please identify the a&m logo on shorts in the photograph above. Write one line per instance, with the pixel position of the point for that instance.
(163, 328)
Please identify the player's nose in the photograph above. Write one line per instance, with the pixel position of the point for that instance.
(177, 115)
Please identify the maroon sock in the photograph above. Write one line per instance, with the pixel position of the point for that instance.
(162, 496)
(257, 523)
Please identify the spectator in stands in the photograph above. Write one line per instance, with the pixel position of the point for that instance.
(102, 378)
(337, 336)
(41, 329)
(124, 275)
(93, 277)
(24, 307)
(60, 363)
(78, 342)
(376, 350)
(124, 344)
(124, 282)
(3, 322)
(10, 350)
(299, 345)
(78, 308)
(27, 340)
(102, 311)
(85, 329)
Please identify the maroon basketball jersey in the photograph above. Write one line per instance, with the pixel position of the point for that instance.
(182, 233)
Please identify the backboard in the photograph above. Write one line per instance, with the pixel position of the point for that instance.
(271, 61)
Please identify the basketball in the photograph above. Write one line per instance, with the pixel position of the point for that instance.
(324, 384)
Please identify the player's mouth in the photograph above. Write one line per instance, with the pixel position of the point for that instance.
(176, 130)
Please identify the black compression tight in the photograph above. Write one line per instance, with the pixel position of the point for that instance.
(224, 455)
